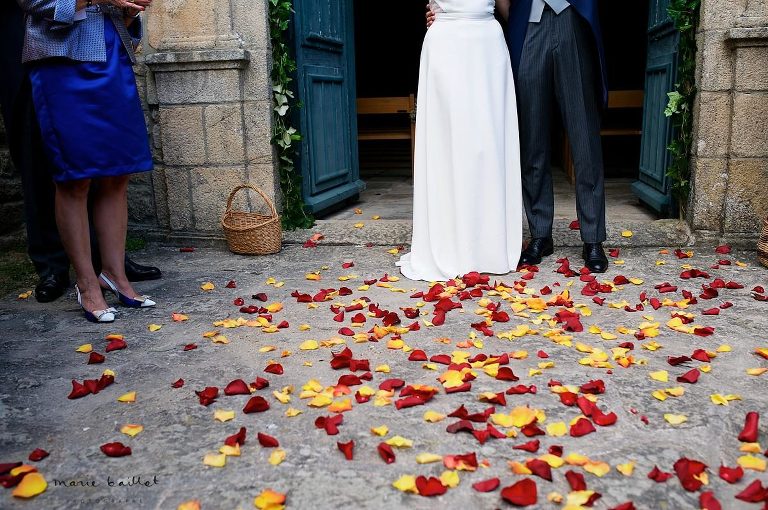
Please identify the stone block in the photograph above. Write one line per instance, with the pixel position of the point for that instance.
(258, 132)
(224, 134)
(750, 135)
(715, 61)
(141, 200)
(250, 22)
(210, 188)
(719, 14)
(178, 23)
(160, 191)
(197, 86)
(746, 205)
(713, 127)
(179, 199)
(709, 184)
(258, 84)
(265, 177)
(182, 135)
(752, 69)
(13, 216)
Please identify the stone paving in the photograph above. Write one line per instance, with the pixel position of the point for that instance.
(39, 362)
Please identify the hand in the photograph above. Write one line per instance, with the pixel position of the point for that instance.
(430, 17)
(131, 6)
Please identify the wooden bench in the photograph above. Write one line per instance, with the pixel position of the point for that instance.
(405, 106)
(617, 100)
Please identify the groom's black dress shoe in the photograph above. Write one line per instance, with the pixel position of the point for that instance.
(594, 257)
(138, 273)
(51, 288)
(538, 248)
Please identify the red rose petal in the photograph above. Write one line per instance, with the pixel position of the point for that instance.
(256, 404)
(115, 449)
(539, 468)
(522, 493)
(274, 368)
(267, 441)
(754, 493)
(347, 449)
(178, 384)
(208, 395)
(330, 423)
(386, 453)
(489, 485)
(749, 432)
(582, 428)
(658, 475)
(576, 481)
(707, 501)
(78, 390)
(690, 377)
(8, 466)
(116, 345)
(430, 486)
(238, 438)
(530, 446)
(95, 358)
(237, 387)
(731, 475)
(38, 454)
(688, 472)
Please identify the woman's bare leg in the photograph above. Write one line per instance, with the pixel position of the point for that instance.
(72, 221)
(110, 218)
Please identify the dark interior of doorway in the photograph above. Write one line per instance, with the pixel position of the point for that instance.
(388, 38)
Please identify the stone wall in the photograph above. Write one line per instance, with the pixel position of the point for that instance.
(205, 80)
(730, 164)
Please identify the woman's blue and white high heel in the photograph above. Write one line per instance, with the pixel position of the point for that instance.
(138, 302)
(103, 316)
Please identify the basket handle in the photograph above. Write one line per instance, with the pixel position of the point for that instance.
(252, 188)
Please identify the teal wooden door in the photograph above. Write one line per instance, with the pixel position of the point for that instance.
(323, 32)
(652, 186)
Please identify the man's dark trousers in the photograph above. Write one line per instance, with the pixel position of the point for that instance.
(27, 149)
(559, 67)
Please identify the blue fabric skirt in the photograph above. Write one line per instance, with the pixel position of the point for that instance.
(90, 114)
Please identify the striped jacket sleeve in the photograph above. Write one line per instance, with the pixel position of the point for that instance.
(61, 13)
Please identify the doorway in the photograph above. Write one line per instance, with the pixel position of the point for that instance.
(387, 44)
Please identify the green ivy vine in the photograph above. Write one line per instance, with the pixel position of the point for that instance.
(685, 15)
(285, 136)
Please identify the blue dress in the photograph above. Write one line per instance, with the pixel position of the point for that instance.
(90, 114)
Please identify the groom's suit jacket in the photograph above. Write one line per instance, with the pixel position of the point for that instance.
(519, 14)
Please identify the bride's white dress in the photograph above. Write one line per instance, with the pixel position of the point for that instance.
(467, 206)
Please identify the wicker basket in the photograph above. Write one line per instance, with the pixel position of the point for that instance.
(762, 245)
(251, 233)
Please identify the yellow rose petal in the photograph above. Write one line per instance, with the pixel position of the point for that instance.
(223, 416)
(30, 486)
(557, 429)
(128, 397)
(269, 500)
(399, 442)
(207, 286)
(309, 345)
(193, 504)
(215, 460)
(626, 233)
(676, 419)
(428, 458)
(154, 327)
(380, 431)
(277, 457)
(85, 348)
(230, 451)
(433, 417)
(661, 375)
(406, 483)
(450, 478)
(747, 462)
(131, 429)
(627, 468)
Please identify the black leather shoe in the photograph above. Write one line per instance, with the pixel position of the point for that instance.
(51, 288)
(594, 257)
(138, 273)
(538, 248)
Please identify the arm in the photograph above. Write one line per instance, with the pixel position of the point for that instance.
(503, 7)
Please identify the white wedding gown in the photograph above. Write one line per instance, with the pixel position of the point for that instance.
(467, 204)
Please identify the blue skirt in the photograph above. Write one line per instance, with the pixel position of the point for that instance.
(90, 114)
